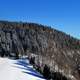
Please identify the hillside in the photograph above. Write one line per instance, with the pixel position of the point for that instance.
(52, 47)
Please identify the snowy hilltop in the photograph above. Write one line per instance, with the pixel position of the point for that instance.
(50, 48)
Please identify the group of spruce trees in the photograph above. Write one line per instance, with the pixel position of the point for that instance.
(46, 72)
(4, 53)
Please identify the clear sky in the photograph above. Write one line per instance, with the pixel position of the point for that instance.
(63, 15)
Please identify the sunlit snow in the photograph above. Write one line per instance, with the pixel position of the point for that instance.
(18, 70)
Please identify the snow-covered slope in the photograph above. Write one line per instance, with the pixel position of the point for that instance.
(17, 70)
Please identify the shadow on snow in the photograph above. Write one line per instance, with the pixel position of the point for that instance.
(26, 66)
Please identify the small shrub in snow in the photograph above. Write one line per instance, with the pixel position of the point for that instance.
(46, 72)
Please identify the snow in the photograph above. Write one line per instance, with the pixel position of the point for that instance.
(18, 70)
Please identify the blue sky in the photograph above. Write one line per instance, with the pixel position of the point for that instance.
(63, 15)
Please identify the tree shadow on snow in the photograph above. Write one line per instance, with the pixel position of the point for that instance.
(28, 69)
(22, 63)
(33, 74)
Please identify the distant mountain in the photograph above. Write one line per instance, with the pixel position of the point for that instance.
(52, 47)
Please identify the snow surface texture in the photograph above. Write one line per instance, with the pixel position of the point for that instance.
(18, 70)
